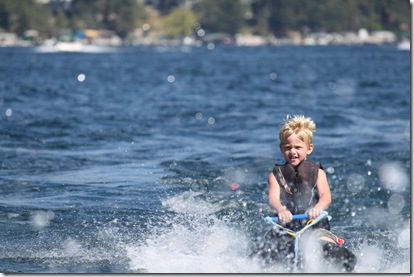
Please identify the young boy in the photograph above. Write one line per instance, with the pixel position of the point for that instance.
(299, 187)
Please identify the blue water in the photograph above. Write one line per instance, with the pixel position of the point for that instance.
(122, 161)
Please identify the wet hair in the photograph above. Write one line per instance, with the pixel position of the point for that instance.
(303, 127)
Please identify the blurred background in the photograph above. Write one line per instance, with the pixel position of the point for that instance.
(243, 22)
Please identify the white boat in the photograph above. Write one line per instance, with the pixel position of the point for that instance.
(404, 45)
(69, 47)
(74, 47)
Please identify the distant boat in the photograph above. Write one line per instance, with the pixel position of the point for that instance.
(404, 45)
(74, 47)
(69, 46)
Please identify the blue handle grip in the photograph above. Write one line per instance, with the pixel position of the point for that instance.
(294, 217)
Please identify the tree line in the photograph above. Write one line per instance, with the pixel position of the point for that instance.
(175, 18)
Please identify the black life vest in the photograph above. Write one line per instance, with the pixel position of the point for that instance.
(298, 191)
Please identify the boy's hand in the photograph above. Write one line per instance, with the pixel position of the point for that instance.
(314, 213)
(284, 216)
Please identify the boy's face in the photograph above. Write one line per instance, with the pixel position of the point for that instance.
(295, 150)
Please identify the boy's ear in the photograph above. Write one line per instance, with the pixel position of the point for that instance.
(310, 149)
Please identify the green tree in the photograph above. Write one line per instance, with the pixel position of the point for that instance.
(286, 16)
(261, 12)
(19, 16)
(60, 21)
(324, 15)
(180, 22)
(337, 15)
(165, 7)
(87, 14)
(226, 16)
(393, 13)
(120, 16)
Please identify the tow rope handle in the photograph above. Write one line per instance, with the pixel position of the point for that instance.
(275, 219)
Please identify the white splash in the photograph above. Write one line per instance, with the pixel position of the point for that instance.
(193, 249)
(199, 242)
(370, 259)
(190, 202)
(41, 219)
(72, 247)
(404, 239)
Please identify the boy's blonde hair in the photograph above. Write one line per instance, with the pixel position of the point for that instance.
(301, 126)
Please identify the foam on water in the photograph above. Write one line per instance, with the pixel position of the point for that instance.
(193, 249)
(197, 241)
(376, 258)
(176, 246)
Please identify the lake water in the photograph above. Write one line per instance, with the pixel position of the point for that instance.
(122, 161)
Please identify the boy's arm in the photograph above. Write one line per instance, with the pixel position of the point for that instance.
(324, 195)
(274, 200)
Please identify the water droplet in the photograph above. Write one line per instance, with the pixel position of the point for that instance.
(211, 120)
(344, 87)
(355, 182)
(8, 112)
(201, 32)
(273, 76)
(81, 77)
(199, 115)
(146, 27)
(171, 78)
(393, 177)
(395, 203)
